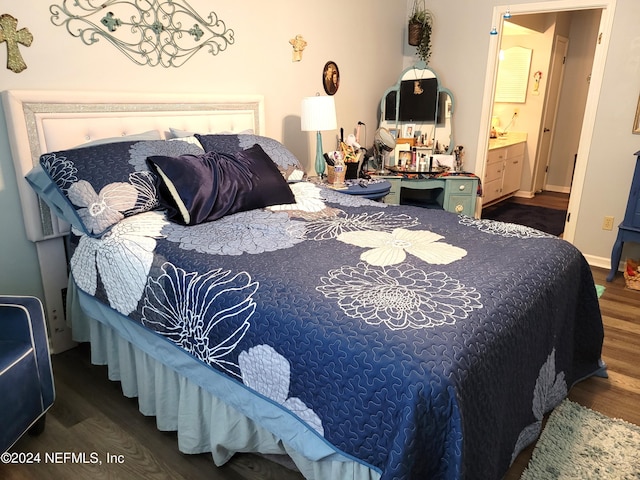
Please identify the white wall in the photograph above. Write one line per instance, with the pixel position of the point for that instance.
(461, 44)
(364, 37)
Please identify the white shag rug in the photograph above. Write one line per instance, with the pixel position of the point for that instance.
(579, 443)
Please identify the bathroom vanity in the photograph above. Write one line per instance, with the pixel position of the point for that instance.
(503, 171)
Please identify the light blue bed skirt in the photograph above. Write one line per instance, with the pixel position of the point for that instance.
(186, 397)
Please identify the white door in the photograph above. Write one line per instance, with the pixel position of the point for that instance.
(550, 111)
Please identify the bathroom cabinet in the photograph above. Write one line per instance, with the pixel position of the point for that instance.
(503, 171)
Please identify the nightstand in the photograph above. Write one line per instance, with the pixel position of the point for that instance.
(629, 229)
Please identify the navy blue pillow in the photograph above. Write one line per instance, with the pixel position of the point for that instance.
(235, 143)
(203, 188)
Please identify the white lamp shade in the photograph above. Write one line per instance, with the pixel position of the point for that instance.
(318, 114)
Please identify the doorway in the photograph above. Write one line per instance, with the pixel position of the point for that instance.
(587, 119)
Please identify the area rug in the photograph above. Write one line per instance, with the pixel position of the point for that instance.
(545, 219)
(579, 443)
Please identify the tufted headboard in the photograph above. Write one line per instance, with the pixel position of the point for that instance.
(46, 121)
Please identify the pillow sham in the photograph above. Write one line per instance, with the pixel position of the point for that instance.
(105, 183)
(204, 188)
(232, 144)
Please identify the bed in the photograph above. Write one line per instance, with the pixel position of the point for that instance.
(363, 340)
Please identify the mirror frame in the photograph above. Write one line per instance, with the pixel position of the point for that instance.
(398, 126)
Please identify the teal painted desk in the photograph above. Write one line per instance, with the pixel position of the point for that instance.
(454, 193)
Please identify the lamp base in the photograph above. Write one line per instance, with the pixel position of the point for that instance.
(320, 162)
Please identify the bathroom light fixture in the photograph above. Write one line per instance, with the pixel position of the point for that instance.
(317, 114)
(494, 31)
(507, 14)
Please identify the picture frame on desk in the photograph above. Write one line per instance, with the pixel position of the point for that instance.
(402, 151)
(408, 130)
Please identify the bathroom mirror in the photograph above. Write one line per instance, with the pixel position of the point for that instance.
(418, 103)
(513, 75)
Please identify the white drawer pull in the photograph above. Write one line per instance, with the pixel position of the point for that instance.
(459, 208)
(462, 187)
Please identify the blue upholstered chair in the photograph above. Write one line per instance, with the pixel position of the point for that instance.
(26, 378)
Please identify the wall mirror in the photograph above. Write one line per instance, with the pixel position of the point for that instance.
(513, 75)
(419, 110)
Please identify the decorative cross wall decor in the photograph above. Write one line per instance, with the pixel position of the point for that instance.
(148, 32)
(9, 33)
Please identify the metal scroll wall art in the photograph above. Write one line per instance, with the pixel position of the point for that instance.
(148, 32)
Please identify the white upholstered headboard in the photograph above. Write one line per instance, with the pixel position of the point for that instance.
(46, 121)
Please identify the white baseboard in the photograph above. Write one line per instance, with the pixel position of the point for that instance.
(601, 262)
(524, 194)
(557, 188)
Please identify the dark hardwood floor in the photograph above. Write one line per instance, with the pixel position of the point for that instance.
(91, 415)
(558, 201)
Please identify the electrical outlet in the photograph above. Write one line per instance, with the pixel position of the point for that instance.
(607, 223)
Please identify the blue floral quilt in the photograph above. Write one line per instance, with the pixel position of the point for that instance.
(418, 342)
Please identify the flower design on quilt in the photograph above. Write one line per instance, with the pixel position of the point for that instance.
(122, 258)
(307, 197)
(399, 296)
(503, 229)
(255, 231)
(205, 314)
(144, 183)
(390, 248)
(549, 391)
(62, 171)
(327, 228)
(98, 211)
(269, 373)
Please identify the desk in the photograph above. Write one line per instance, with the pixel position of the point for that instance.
(454, 193)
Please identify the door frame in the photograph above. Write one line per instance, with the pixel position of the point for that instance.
(597, 73)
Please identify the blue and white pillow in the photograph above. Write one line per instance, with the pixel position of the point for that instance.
(105, 183)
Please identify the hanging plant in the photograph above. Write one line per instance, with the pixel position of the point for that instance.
(420, 24)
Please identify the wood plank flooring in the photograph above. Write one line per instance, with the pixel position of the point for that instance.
(91, 415)
(556, 200)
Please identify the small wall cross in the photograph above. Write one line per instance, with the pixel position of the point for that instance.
(14, 38)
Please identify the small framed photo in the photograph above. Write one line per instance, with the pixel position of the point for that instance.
(393, 132)
(404, 158)
(409, 130)
(401, 154)
(331, 78)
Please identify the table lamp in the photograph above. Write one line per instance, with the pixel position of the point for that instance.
(318, 114)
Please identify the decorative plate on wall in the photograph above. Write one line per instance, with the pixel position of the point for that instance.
(331, 78)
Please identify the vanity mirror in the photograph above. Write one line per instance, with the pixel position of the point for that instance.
(418, 100)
